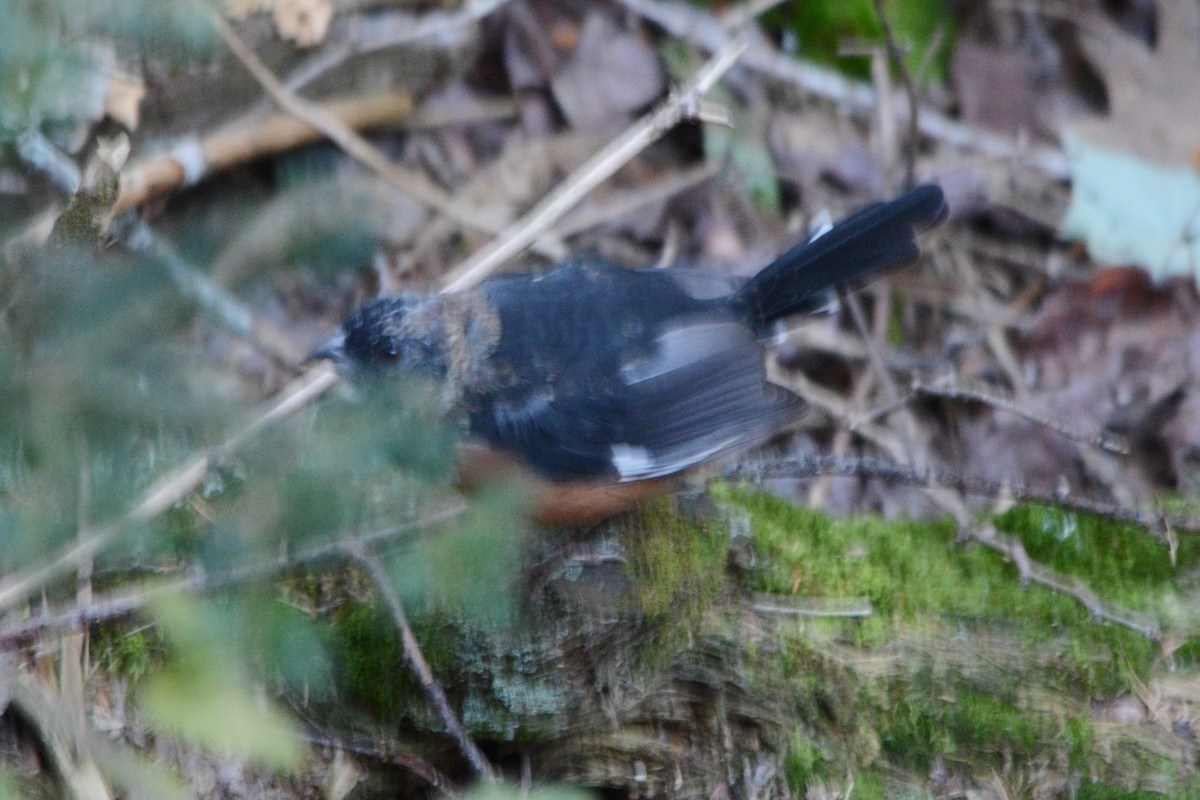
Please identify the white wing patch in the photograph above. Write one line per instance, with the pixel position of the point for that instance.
(701, 392)
(679, 347)
(631, 460)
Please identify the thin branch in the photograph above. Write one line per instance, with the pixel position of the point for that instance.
(1030, 571)
(680, 105)
(416, 659)
(1155, 522)
(961, 390)
(896, 56)
(137, 237)
(415, 184)
(122, 604)
(818, 607)
(705, 31)
(241, 141)
(165, 493)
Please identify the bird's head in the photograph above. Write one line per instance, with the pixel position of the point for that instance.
(391, 335)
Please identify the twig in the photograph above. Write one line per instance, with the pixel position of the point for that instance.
(680, 105)
(41, 154)
(896, 56)
(117, 605)
(703, 30)
(1154, 521)
(416, 659)
(1030, 571)
(166, 492)
(397, 755)
(817, 607)
(738, 16)
(962, 390)
(137, 237)
(417, 185)
(241, 141)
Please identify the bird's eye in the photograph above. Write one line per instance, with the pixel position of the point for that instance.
(388, 352)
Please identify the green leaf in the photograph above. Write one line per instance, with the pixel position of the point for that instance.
(205, 696)
(469, 568)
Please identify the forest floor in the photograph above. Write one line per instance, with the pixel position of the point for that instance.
(972, 570)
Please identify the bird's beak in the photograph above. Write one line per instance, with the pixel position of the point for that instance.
(334, 350)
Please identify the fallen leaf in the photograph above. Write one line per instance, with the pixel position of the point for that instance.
(1131, 211)
(610, 74)
(1153, 97)
(998, 88)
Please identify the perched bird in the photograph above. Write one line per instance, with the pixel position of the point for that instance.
(604, 381)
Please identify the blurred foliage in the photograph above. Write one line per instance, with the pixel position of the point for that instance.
(97, 392)
(203, 695)
(55, 55)
(469, 568)
(821, 29)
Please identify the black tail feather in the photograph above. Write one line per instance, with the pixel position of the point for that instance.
(879, 237)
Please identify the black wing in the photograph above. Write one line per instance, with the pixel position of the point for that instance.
(623, 373)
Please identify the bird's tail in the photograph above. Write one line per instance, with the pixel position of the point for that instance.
(879, 237)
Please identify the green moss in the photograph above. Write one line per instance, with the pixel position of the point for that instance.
(1131, 566)
(1104, 791)
(127, 655)
(676, 566)
(365, 647)
(959, 663)
(1080, 738)
(920, 580)
(923, 720)
(869, 786)
(498, 680)
(802, 762)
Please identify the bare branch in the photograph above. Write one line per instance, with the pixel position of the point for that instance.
(416, 659)
(417, 185)
(896, 56)
(241, 141)
(964, 390)
(166, 492)
(126, 602)
(1157, 523)
(680, 105)
(703, 30)
(1030, 571)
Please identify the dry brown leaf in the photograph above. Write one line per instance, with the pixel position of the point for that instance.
(1153, 94)
(611, 74)
(304, 22)
(998, 87)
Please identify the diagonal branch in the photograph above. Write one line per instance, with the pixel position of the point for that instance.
(166, 492)
(416, 659)
(415, 184)
(681, 105)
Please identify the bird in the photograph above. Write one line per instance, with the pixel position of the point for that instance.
(601, 383)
